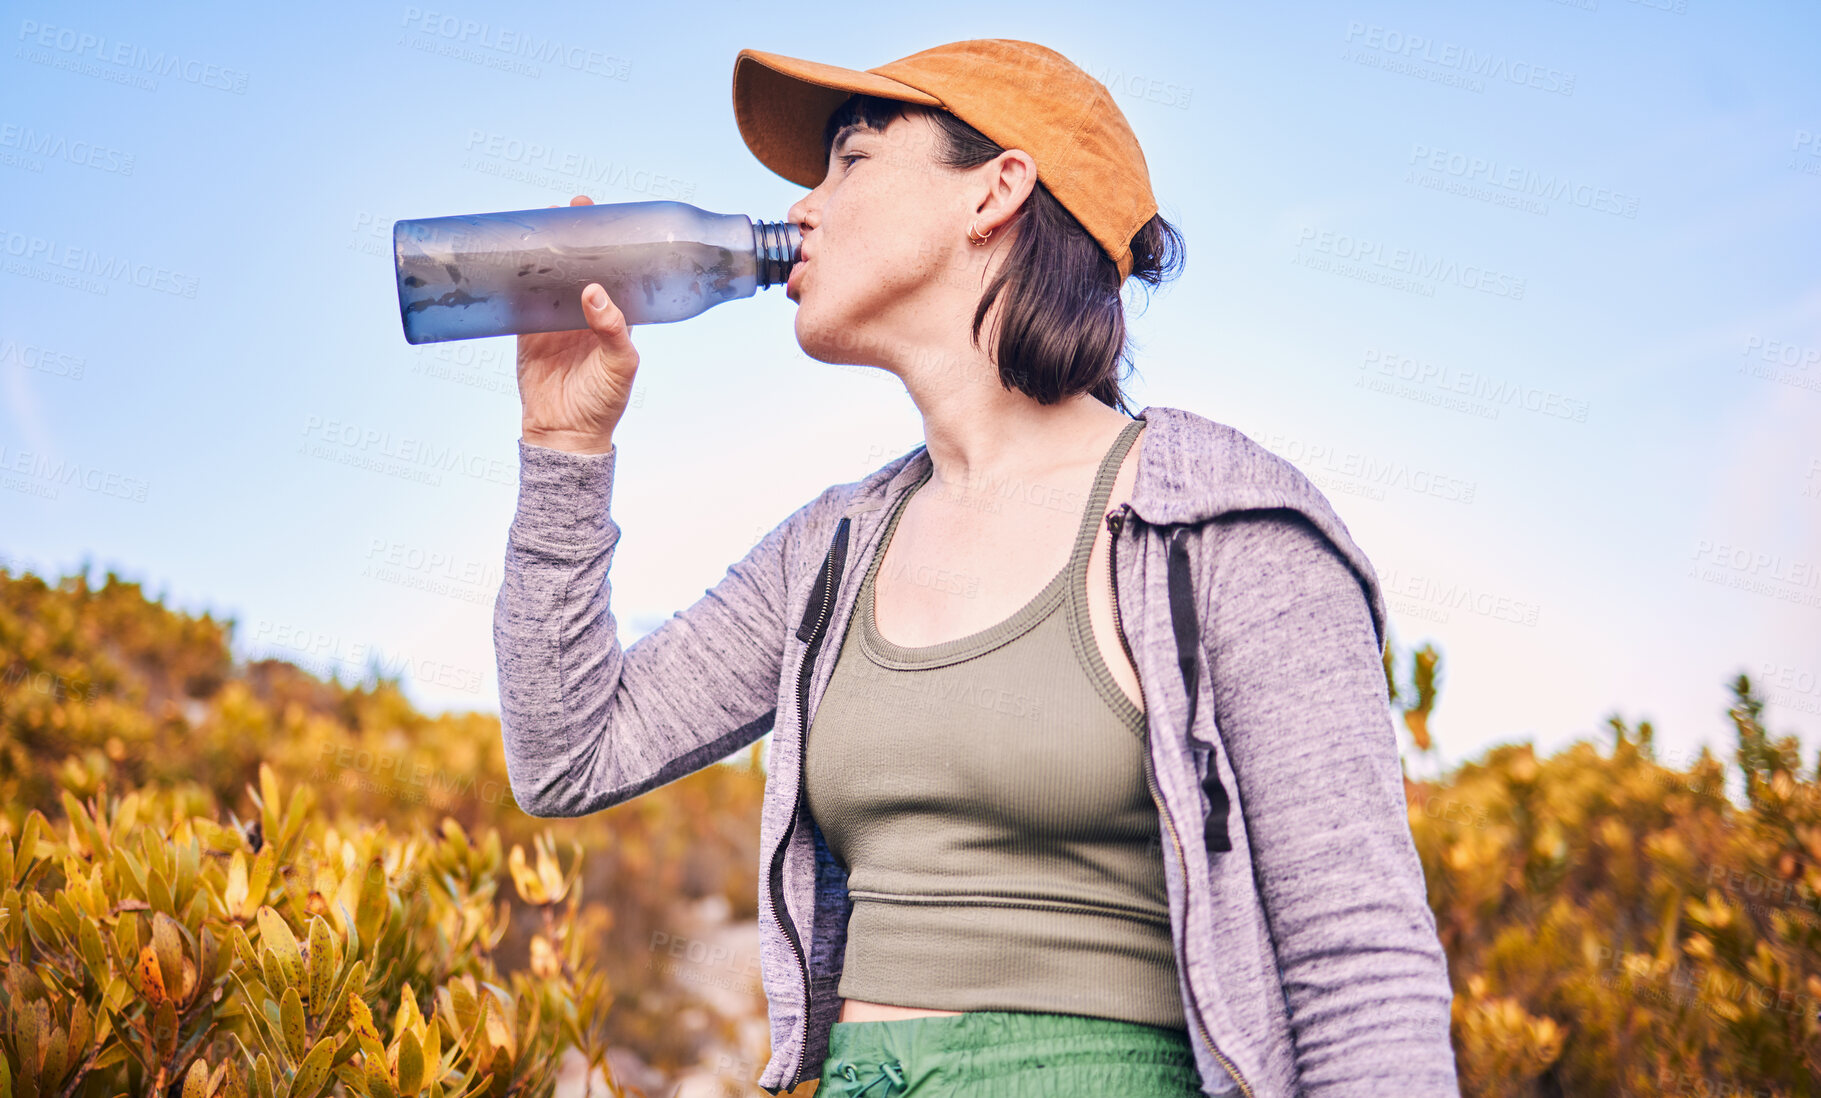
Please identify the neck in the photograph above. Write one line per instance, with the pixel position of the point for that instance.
(977, 431)
(975, 428)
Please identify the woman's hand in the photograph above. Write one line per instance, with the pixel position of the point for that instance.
(574, 386)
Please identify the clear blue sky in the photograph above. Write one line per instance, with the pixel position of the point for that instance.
(1530, 288)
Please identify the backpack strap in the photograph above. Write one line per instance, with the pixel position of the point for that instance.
(1188, 658)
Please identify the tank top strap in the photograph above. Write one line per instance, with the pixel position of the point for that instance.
(1103, 489)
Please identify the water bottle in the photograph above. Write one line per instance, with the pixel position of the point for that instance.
(524, 270)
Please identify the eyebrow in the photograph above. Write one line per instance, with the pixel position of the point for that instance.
(843, 134)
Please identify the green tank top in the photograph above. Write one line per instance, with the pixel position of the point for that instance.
(987, 798)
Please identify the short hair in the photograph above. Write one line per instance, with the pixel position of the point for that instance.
(1063, 330)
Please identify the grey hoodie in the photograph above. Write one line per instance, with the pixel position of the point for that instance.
(1305, 947)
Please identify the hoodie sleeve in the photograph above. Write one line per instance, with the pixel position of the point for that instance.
(1304, 713)
(587, 725)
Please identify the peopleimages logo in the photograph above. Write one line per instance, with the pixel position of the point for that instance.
(26, 250)
(54, 146)
(46, 361)
(474, 34)
(415, 459)
(137, 60)
(1395, 51)
(304, 647)
(43, 476)
(1408, 261)
(1518, 183)
(547, 166)
(1496, 393)
(1447, 595)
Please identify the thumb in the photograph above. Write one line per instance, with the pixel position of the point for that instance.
(603, 315)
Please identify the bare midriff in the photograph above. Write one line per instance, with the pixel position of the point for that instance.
(856, 1010)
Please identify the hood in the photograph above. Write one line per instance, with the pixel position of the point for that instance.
(1192, 469)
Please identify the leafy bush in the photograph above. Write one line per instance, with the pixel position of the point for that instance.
(1613, 924)
(1617, 926)
(145, 943)
(103, 689)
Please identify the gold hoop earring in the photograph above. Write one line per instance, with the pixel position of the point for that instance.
(973, 231)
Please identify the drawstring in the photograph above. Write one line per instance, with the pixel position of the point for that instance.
(892, 1071)
(1188, 657)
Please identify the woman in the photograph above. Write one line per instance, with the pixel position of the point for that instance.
(1086, 781)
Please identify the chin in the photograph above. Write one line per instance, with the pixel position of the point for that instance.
(835, 343)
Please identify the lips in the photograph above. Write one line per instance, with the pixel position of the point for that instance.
(790, 283)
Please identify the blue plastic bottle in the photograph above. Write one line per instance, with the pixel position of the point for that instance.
(524, 270)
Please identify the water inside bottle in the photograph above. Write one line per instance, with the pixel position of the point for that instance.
(650, 282)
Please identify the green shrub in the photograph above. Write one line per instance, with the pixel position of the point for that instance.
(145, 942)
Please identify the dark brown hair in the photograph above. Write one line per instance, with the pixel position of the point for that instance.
(1063, 330)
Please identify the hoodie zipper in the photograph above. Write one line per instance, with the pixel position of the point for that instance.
(1114, 521)
(775, 893)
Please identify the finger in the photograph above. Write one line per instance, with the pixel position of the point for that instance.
(605, 318)
(581, 200)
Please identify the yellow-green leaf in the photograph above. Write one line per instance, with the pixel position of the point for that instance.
(379, 1084)
(196, 1082)
(80, 1023)
(234, 893)
(35, 823)
(353, 986)
(294, 815)
(499, 1031)
(94, 955)
(433, 1052)
(322, 962)
(410, 1064)
(243, 950)
(406, 1017)
(291, 1018)
(314, 1071)
(370, 916)
(158, 888)
(259, 880)
(461, 1002)
(126, 937)
(168, 944)
(69, 916)
(188, 863)
(234, 1083)
(56, 1053)
(272, 970)
(268, 801)
(276, 933)
(31, 1023)
(44, 922)
(217, 838)
(164, 1029)
(360, 1020)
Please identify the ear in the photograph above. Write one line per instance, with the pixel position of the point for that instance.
(1010, 178)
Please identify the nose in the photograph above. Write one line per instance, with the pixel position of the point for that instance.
(798, 215)
(806, 212)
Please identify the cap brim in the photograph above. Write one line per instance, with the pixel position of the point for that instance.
(782, 104)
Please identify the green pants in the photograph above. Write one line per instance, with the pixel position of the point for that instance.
(1007, 1054)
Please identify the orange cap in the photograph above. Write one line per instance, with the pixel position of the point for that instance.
(1020, 94)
